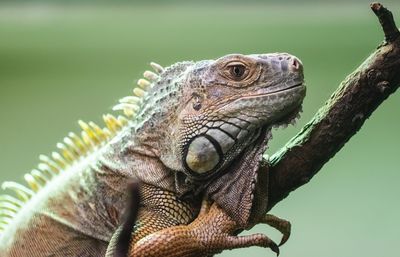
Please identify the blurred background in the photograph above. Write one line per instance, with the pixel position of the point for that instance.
(61, 61)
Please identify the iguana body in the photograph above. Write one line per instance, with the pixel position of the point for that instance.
(200, 130)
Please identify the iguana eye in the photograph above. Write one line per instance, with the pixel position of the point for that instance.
(238, 71)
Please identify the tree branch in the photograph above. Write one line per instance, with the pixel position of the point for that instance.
(340, 118)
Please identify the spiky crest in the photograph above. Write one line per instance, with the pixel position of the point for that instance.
(73, 148)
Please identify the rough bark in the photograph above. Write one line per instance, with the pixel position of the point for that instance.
(341, 117)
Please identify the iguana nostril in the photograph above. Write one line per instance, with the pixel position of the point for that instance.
(296, 64)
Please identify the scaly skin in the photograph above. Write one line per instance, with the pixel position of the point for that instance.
(199, 131)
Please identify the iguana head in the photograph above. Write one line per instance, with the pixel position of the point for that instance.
(211, 113)
(227, 103)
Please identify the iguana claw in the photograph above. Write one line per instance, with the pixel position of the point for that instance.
(281, 225)
(275, 248)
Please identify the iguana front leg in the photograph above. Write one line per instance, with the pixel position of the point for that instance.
(211, 232)
(149, 210)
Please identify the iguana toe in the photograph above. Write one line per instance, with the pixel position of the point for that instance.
(281, 225)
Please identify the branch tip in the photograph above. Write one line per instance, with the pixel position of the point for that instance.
(340, 118)
(387, 22)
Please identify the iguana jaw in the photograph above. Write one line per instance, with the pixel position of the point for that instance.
(269, 104)
(234, 189)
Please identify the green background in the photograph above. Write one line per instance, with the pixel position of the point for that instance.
(68, 61)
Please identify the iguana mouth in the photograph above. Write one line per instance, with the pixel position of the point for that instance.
(267, 92)
(288, 88)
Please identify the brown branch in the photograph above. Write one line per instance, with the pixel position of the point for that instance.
(387, 22)
(341, 117)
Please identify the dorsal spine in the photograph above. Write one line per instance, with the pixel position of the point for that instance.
(73, 148)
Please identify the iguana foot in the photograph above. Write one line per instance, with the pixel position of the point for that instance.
(281, 225)
(211, 232)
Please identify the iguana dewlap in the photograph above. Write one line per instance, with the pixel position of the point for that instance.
(191, 130)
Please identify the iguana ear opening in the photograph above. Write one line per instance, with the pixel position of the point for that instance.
(234, 191)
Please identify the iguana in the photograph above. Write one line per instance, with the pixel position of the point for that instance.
(190, 131)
